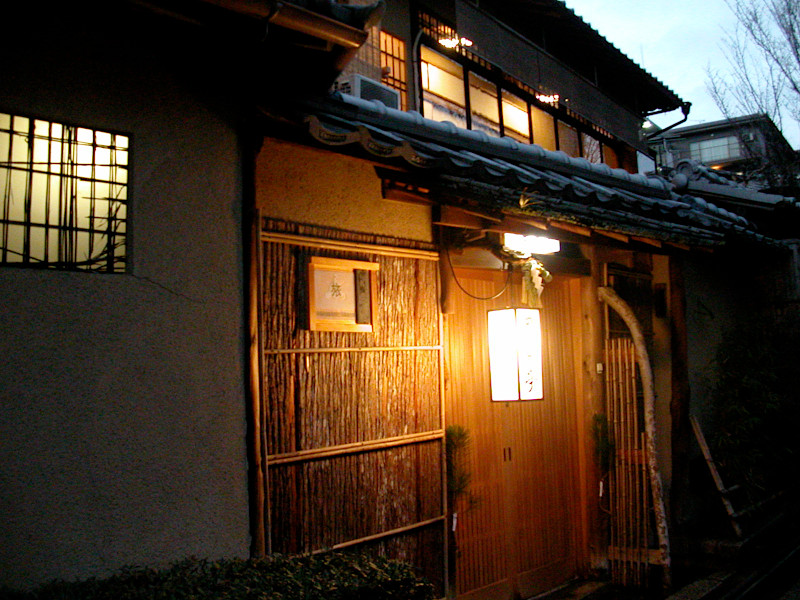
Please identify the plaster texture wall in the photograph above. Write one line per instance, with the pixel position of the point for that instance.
(122, 397)
(316, 187)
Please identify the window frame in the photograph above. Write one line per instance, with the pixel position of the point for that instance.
(428, 27)
(49, 220)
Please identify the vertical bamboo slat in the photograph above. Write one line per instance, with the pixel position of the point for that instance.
(630, 503)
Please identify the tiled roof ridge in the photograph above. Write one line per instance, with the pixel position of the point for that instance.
(554, 180)
(413, 123)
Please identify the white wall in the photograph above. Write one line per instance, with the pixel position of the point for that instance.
(122, 397)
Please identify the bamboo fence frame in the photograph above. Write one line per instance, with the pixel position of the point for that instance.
(642, 360)
(629, 552)
(342, 466)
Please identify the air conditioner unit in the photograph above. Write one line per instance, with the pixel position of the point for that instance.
(368, 89)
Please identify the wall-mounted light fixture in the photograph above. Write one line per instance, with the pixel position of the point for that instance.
(515, 354)
(515, 334)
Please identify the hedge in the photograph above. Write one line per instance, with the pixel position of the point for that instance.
(329, 576)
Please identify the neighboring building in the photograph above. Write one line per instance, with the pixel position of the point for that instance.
(750, 150)
(239, 312)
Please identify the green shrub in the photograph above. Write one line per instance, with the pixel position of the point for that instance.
(329, 576)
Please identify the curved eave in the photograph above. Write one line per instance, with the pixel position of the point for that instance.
(454, 166)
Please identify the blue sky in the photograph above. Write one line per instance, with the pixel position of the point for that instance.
(675, 42)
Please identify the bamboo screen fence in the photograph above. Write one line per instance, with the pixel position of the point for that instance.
(633, 543)
(629, 485)
(520, 535)
(352, 421)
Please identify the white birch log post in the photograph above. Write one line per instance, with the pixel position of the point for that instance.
(610, 297)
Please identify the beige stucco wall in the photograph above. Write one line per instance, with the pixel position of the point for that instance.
(317, 187)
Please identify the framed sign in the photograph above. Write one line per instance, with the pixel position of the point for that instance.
(341, 294)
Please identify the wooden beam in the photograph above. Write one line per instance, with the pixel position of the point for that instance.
(344, 246)
(576, 229)
(620, 237)
(257, 450)
(450, 216)
(679, 245)
(354, 448)
(648, 241)
(386, 534)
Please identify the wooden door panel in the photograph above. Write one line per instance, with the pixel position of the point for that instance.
(523, 456)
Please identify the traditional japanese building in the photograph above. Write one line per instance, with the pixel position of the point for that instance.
(249, 251)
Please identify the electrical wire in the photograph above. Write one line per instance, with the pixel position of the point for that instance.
(453, 272)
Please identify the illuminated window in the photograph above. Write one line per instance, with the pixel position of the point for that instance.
(63, 202)
(393, 65)
(497, 103)
(544, 129)
(442, 89)
(516, 123)
(483, 105)
(715, 149)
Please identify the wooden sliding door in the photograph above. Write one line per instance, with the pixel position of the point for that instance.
(520, 534)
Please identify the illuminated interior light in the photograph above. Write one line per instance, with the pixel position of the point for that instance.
(530, 244)
(455, 42)
(548, 98)
(515, 354)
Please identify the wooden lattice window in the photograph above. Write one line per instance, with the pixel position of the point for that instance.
(63, 195)
(393, 65)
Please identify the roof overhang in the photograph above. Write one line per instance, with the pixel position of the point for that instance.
(504, 184)
(296, 48)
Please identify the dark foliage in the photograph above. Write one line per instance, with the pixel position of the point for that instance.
(757, 407)
(329, 576)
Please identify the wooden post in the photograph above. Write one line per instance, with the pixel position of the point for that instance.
(610, 297)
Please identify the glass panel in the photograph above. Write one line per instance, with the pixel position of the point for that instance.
(483, 105)
(610, 157)
(393, 65)
(443, 89)
(592, 150)
(57, 204)
(442, 77)
(568, 139)
(544, 133)
(515, 117)
(439, 109)
(715, 149)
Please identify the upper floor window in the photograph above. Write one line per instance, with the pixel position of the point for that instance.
(568, 139)
(443, 95)
(393, 65)
(715, 149)
(516, 121)
(63, 200)
(483, 104)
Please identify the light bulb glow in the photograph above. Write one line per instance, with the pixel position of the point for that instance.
(531, 244)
